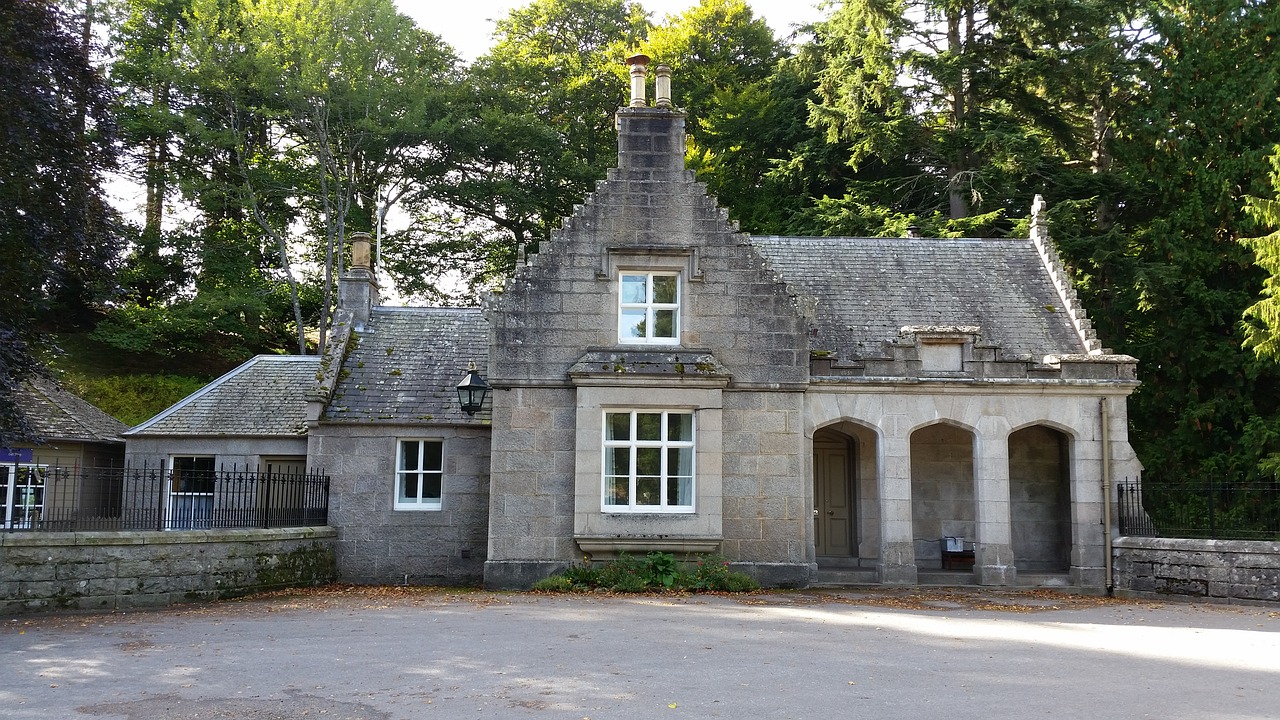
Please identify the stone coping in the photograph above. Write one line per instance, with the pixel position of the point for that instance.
(163, 537)
(1252, 547)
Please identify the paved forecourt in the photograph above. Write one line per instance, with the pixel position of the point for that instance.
(382, 654)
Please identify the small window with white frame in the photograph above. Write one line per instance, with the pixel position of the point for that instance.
(419, 474)
(648, 461)
(649, 308)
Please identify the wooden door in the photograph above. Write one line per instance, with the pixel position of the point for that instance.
(833, 496)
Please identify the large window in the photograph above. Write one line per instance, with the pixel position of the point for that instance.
(419, 474)
(649, 311)
(648, 461)
(191, 492)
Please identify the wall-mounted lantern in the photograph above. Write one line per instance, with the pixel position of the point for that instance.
(472, 390)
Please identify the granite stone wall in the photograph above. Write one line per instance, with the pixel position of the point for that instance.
(378, 544)
(114, 570)
(740, 364)
(1221, 570)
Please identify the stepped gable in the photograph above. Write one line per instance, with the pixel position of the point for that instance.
(264, 397)
(649, 213)
(865, 290)
(404, 366)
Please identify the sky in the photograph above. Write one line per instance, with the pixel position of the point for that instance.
(468, 24)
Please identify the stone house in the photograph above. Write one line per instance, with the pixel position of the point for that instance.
(881, 407)
(75, 442)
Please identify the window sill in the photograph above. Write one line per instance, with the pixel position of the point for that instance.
(416, 508)
(604, 547)
(620, 510)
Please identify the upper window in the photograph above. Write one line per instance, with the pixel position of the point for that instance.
(649, 311)
(419, 474)
(648, 461)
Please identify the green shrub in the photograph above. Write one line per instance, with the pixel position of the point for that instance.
(625, 574)
(711, 572)
(583, 576)
(738, 582)
(555, 583)
(655, 571)
(661, 569)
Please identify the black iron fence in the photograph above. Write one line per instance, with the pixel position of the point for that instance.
(40, 498)
(1202, 510)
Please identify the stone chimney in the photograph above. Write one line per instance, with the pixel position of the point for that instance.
(650, 139)
(913, 231)
(358, 287)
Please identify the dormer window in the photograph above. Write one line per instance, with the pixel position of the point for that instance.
(649, 308)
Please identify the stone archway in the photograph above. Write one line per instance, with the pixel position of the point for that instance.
(1040, 499)
(942, 492)
(835, 513)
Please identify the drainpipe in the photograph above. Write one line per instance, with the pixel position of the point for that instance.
(1106, 493)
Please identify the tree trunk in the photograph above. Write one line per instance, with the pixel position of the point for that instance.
(959, 93)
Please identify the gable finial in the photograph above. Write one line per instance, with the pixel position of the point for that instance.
(1039, 220)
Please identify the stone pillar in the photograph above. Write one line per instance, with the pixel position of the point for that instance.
(993, 560)
(1088, 553)
(897, 564)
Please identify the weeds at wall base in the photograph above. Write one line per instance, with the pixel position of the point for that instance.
(656, 571)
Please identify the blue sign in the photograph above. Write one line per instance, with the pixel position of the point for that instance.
(9, 455)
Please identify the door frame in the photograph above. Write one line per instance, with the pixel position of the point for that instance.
(834, 440)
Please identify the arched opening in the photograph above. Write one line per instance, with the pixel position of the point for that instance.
(846, 518)
(1040, 499)
(942, 503)
(834, 495)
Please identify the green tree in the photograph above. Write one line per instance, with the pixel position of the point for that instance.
(1262, 319)
(358, 87)
(56, 229)
(1192, 149)
(744, 108)
(530, 133)
(972, 94)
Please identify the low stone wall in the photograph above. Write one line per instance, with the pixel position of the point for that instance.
(1223, 570)
(126, 569)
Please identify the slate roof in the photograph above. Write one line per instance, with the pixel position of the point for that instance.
(406, 365)
(57, 414)
(865, 289)
(266, 396)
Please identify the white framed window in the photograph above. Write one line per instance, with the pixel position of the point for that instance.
(648, 461)
(649, 308)
(191, 483)
(22, 491)
(419, 474)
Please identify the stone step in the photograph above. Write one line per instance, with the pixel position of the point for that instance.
(945, 577)
(841, 577)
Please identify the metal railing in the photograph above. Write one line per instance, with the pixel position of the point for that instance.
(51, 499)
(1201, 510)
